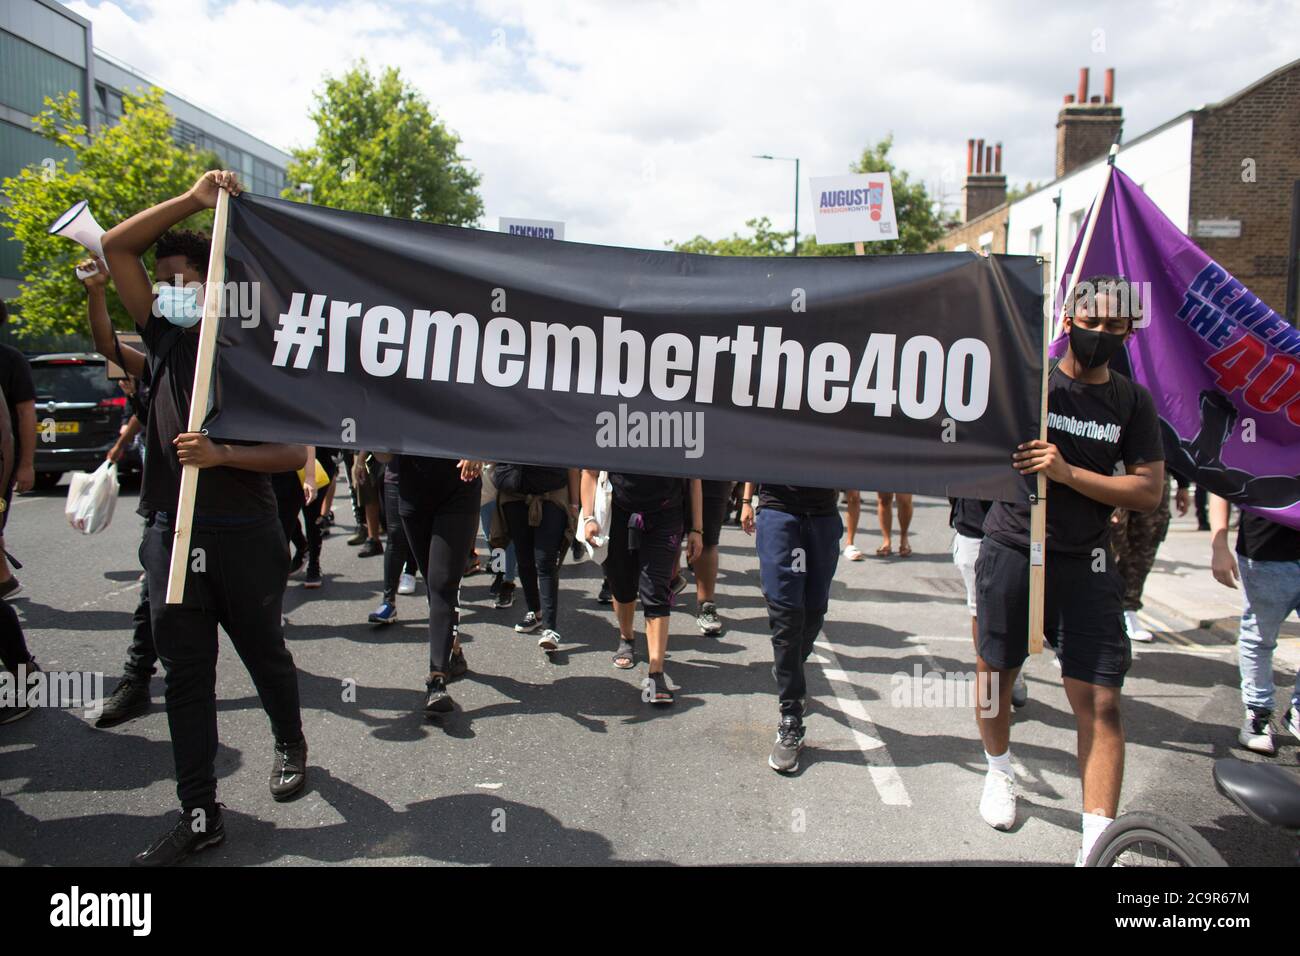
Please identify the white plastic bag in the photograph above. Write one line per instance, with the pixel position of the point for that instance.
(91, 498)
(603, 507)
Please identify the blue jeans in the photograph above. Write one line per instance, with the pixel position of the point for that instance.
(1271, 592)
(485, 519)
(797, 555)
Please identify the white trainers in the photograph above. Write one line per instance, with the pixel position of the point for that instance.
(1136, 632)
(549, 640)
(1257, 734)
(998, 804)
(406, 583)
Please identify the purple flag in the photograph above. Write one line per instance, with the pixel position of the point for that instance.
(1222, 366)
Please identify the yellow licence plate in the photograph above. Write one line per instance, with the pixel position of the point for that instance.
(67, 428)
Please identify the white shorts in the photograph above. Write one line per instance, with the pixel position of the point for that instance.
(965, 551)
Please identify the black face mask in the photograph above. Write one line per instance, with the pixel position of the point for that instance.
(1093, 349)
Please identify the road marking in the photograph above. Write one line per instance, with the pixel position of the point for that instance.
(488, 786)
(884, 775)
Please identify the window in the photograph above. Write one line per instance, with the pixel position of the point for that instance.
(1035, 241)
(1076, 223)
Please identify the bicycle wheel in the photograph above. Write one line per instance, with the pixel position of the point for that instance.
(1149, 839)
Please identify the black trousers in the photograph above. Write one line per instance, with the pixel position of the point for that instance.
(13, 646)
(440, 540)
(141, 656)
(398, 552)
(239, 586)
(537, 550)
(289, 501)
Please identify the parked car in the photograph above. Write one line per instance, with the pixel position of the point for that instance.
(79, 411)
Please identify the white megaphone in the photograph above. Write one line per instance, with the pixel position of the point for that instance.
(79, 225)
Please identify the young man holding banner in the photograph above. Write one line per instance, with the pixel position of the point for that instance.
(239, 558)
(1097, 418)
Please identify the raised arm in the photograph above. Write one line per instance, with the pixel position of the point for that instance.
(101, 326)
(126, 242)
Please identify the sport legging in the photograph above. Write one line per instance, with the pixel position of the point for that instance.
(440, 542)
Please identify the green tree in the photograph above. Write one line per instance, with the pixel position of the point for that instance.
(125, 168)
(1020, 192)
(919, 224)
(381, 149)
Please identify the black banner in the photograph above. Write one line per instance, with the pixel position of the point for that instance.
(903, 373)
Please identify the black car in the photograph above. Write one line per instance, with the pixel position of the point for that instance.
(79, 411)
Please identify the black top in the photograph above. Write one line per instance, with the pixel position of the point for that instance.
(433, 486)
(16, 383)
(798, 500)
(966, 516)
(1095, 427)
(716, 489)
(224, 495)
(1260, 539)
(529, 479)
(646, 492)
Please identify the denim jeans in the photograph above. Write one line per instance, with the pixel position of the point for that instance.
(1270, 593)
(797, 555)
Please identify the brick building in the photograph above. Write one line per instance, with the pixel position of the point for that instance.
(1227, 174)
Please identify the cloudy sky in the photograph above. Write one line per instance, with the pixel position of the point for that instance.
(635, 121)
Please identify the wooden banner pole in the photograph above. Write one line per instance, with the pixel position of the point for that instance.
(1038, 509)
(199, 396)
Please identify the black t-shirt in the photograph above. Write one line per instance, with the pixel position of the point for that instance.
(798, 500)
(716, 489)
(432, 485)
(637, 493)
(1095, 427)
(966, 516)
(224, 495)
(16, 383)
(1262, 540)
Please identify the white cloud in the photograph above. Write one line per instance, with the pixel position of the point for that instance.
(636, 122)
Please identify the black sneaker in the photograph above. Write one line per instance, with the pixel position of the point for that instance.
(128, 701)
(9, 589)
(193, 831)
(15, 711)
(789, 741)
(457, 666)
(531, 622)
(506, 596)
(288, 770)
(312, 578)
(606, 596)
(436, 699)
(360, 537)
(497, 579)
(372, 548)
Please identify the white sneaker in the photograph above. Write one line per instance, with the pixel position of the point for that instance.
(998, 804)
(406, 583)
(549, 640)
(1257, 734)
(1136, 632)
(1019, 691)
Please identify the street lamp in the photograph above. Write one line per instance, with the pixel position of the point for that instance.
(795, 160)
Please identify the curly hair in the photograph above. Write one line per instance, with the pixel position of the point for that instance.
(194, 246)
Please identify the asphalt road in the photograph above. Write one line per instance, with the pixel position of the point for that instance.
(557, 760)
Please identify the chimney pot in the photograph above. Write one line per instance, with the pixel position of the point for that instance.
(1096, 98)
(970, 156)
(979, 156)
(997, 158)
(1109, 96)
(988, 160)
(1083, 84)
(1069, 98)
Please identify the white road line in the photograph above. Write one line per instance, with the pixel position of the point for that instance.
(884, 775)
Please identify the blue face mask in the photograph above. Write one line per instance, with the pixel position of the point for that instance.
(179, 305)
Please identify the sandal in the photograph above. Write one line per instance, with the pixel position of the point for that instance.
(884, 551)
(660, 693)
(904, 550)
(625, 656)
(853, 554)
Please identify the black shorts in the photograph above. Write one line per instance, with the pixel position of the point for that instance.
(647, 570)
(715, 510)
(1083, 613)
